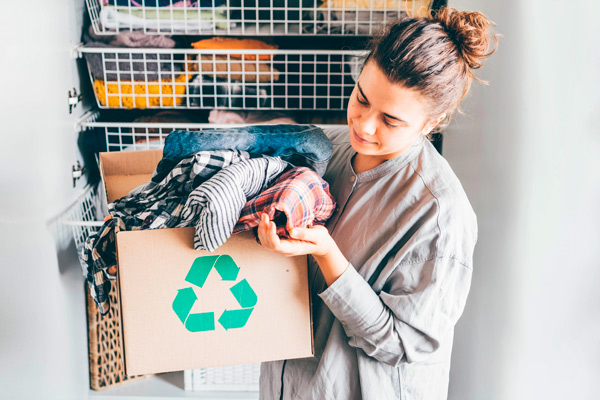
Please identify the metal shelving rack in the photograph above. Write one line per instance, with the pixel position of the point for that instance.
(132, 136)
(227, 79)
(254, 17)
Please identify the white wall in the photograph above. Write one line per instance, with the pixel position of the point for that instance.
(43, 351)
(528, 154)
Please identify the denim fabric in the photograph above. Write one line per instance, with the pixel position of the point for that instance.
(300, 145)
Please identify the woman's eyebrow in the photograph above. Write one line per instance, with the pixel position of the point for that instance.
(367, 100)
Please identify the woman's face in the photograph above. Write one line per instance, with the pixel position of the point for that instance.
(385, 118)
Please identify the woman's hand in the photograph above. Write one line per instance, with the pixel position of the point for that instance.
(314, 240)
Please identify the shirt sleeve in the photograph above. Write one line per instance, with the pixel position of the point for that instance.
(422, 302)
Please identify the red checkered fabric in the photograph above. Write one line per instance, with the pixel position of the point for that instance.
(299, 198)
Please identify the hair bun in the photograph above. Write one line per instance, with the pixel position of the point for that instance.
(470, 31)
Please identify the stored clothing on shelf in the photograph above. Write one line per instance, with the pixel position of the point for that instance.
(127, 38)
(203, 91)
(237, 44)
(178, 20)
(363, 17)
(166, 93)
(225, 67)
(300, 145)
(108, 66)
(163, 3)
(250, 117)
(297, 199)
(416, 8)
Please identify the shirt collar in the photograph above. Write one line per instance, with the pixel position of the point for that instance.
(390, 166)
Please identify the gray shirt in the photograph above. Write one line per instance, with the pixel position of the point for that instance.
(384, 329)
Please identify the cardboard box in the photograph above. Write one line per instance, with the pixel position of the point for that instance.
(186, 309)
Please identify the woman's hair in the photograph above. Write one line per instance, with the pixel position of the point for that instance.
(434, 55)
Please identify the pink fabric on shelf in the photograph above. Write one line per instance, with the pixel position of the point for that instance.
(181, 3)
(225, 117)
(249, 117)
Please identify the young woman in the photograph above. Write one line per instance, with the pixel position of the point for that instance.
(390, 273)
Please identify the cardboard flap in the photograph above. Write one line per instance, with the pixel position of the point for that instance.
(125, 170)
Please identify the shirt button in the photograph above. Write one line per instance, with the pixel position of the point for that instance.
(352, 178)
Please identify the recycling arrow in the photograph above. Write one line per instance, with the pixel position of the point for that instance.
(182, 305)
(197, 275)
(202, 266)
(231, 319)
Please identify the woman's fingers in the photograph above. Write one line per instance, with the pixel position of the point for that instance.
(267, 234)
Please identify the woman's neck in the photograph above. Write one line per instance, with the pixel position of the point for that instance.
(362, 163)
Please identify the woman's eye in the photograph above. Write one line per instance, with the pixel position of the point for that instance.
(363, 102)
(386, 122)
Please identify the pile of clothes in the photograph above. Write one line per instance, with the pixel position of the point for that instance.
(220, 182)
(170, 16)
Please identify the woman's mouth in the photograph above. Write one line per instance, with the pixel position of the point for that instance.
(359, 139)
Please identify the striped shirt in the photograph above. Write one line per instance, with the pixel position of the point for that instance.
(215, 206)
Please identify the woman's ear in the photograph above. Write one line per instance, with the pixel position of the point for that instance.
(432, 124)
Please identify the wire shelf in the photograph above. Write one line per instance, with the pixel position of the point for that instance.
(225, 79)
(132, 136)
(251, 17)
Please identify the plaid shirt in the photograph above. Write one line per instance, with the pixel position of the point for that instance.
(299, 198)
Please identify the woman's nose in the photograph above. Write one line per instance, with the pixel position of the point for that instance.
(367, 125)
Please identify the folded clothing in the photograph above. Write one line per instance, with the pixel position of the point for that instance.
(203, 91)
(164, 93)
(179, 20)
(162, 3)
(149, 133)
(217, 43)
(127, 39)
(131, 66)
(299, 198)
(364, 17)
(416, 8)
(221, 66)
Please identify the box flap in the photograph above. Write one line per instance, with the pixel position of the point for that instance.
(125, 170)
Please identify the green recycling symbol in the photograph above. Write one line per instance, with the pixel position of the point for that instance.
(197, 275)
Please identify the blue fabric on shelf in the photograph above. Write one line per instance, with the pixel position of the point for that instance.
(300, 145)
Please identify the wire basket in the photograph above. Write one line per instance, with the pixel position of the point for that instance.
(125, 78)
(133, 136)
(252, 17)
